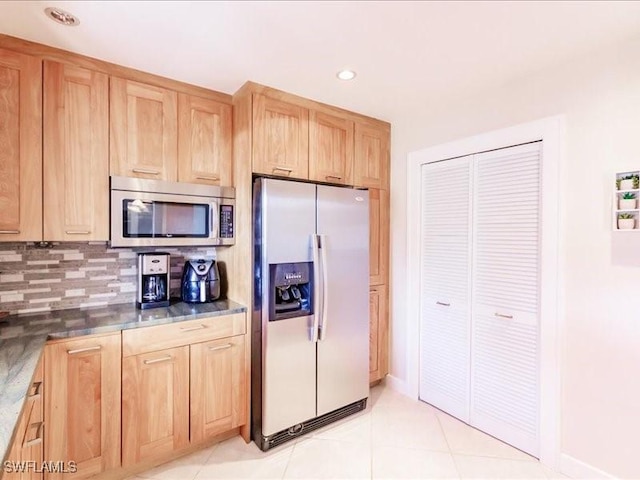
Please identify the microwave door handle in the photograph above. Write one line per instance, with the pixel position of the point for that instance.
(214, 220)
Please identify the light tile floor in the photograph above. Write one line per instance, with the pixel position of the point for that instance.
(395, 437)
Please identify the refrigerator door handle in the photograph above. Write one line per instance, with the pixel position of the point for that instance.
(322, 329)
(315, 242)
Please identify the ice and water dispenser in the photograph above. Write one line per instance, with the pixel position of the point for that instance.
(291, 292)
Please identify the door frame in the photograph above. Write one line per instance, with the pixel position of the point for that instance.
(551, 131)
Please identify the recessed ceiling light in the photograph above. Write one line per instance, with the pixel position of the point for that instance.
(346, 74)
(60, 16)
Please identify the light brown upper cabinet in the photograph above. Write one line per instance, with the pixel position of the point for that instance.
(82, 404)
(378, 236)
(280, 138)
(20, 147)
(76, 153)
(204, 141)
(144, 131)
(330, 148)
(371, 168)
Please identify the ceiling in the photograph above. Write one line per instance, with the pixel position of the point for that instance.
(408, 55)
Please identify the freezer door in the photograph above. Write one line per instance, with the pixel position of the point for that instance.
(288, 220)
(289, 375)
(343, 347)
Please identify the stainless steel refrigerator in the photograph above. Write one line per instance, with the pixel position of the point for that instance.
(310, 343)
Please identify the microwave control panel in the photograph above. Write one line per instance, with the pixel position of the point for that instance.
(226, 221)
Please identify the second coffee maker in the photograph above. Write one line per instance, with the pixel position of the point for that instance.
(200, 281)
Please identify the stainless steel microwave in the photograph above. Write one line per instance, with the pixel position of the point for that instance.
(154, 213)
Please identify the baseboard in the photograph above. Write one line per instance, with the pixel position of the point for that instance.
(574, 468)
(397, 385)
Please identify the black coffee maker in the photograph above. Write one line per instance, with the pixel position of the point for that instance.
(200, 281)
(153, 280)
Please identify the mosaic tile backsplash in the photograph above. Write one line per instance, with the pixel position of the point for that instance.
(72, 275)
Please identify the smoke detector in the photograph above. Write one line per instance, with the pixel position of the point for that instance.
(60, 16)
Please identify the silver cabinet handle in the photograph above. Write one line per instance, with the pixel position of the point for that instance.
(213, 178)
(82, 350)
(221, 347)
(148, 171)
(38, 439)
(443, 304)
(337, 177)
(283, 169)
(77, 232)
(10, 232)
(191, 329)
(158, 360)
(503, 316)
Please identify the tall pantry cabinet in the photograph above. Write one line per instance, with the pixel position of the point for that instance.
(479, 331)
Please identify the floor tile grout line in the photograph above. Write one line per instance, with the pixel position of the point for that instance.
(286, 467)
(206, 461)
(446, 439)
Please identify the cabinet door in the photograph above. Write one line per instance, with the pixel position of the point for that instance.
(371, 164)
(20, 147)
(144, 131)
(76, 153)
(378, 333)
(204, 136)
(28, 442)
(378, 236)
(330, 148)
(155, 404)
(280, 138)
(218, 387)
(82, 405)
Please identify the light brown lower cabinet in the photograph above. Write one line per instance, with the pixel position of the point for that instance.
(82, 404)
(27, 450)
(378, 333)
(184, 386)
(155, 404)
(218, 389)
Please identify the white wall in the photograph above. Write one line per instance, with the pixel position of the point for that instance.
(600, 96)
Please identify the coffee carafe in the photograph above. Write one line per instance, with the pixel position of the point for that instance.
(153, 280)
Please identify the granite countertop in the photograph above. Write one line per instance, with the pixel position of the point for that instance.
(22, 339)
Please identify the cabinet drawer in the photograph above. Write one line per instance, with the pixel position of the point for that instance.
(150, 339)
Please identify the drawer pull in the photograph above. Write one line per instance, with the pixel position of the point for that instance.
(213, 178)
(82, 350)
(283, 169)
(510, 317)
(158, 360)
(147, 171)
(10, 232)
(337, 177)
(443, 304)
(77, 232)
(191, 329)
(221, 347)
(36, 386)
(38, 439)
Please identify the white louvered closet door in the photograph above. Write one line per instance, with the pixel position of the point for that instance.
(445, 289)
(505, 307)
